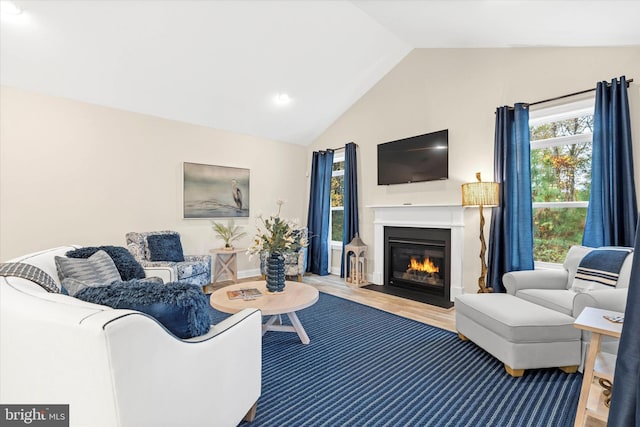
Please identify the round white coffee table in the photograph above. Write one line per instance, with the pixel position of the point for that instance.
(295, 297)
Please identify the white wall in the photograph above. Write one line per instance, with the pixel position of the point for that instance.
(72, 172)
(459, 90)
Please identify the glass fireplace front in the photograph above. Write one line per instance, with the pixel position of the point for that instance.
(417, 263)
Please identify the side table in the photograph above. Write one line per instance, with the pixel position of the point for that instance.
(598, 364)
(225, 263)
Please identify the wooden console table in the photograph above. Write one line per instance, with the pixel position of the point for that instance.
(598, 364)
(225, 262)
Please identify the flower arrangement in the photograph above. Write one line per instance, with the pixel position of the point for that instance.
(276, 234)
(228, 233)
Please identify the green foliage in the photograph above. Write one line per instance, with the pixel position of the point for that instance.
(227, 233)
(555, 230)
(560, 173)
(337, 225)
(337, 191)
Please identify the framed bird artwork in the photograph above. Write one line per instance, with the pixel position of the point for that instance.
(211, 191)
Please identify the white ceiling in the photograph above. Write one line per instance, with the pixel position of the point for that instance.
(220, 63)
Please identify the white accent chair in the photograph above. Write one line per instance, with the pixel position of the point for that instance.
(121, 367)
(195, 269)
(531, 326)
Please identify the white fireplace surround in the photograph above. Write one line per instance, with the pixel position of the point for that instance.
(420, 216)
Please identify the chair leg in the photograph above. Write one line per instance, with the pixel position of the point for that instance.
(462, 337)
(251, 414)
(514, 372)
(569, 369)
(299, 277)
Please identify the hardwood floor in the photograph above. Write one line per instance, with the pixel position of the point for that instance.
(443, 318)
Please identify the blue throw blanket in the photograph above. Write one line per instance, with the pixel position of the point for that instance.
(602, 266)
(180, 307)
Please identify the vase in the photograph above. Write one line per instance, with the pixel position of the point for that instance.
(275, 272)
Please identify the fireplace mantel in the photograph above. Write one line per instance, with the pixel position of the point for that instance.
(420, 216)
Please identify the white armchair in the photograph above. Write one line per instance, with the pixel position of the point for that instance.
(553, 289)
(121, 367)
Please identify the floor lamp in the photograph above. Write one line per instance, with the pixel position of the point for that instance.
(481, 194)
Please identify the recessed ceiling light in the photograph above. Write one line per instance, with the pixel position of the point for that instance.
(9, 8)
(282, 99)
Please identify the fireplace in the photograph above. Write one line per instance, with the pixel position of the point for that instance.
(417, 263)
(446, 218)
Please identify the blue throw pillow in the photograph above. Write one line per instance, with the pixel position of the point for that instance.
(165, 247)
(128, 267)
(180, 307)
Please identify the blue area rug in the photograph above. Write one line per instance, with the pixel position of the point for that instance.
(366, 367)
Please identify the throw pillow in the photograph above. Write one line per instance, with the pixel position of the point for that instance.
(599, 269)
(165, 247)
(572, 261)
(98, 268)
(128, 267)
(29, 272)
(181, 308)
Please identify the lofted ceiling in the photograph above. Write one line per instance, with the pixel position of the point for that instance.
(221, 63)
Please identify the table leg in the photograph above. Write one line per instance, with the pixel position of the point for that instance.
(267, 325)
(587, 379)
(225, 263)
(298, 327)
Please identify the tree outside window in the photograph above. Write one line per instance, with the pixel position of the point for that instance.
(337, 199)
(560, 180)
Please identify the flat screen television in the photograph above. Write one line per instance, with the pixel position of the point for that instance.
(415, 159)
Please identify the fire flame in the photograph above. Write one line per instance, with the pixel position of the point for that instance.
(426, 265)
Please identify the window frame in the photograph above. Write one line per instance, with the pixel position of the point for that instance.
(552, 114)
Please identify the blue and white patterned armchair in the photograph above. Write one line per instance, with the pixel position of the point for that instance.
(195, 269)
(295, 263)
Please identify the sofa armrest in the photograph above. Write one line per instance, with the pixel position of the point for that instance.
(515, 281)
(606, 299)
(198, 258)
(215, 379)
(167, 274)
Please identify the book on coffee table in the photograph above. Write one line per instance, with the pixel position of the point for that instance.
(245, 294)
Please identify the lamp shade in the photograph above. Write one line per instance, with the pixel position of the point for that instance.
(480, 194)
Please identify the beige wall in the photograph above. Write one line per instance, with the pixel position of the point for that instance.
(459, 90)
(72, 172)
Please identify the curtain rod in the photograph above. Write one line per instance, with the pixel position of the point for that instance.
(570, 95)
(340, 148)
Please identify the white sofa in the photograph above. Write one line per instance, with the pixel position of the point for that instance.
(121, 367)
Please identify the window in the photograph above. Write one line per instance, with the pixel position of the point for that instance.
(337, 198)
(560, 177)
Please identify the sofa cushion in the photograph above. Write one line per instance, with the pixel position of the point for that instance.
(29, 272)
(560, 300)
(165, 247)
(572, 261)
(126, 264)
(179, 307)
(98, 268)
(599, 269)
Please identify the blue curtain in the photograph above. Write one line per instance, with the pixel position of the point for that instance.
(350, 224)
(612, 212)
(319, 209)
(511, 235)
(625, 396)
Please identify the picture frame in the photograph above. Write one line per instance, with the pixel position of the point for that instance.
(211, 191)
